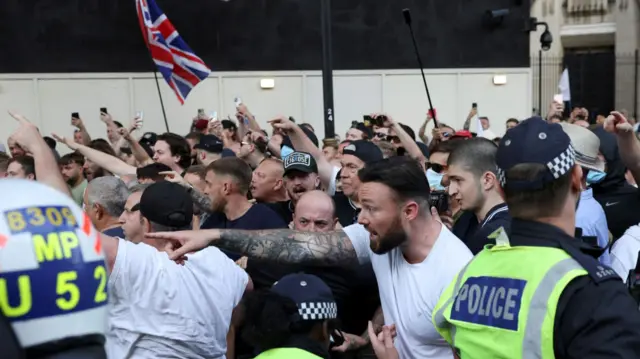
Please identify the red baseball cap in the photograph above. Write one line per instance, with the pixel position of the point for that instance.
(463, 134)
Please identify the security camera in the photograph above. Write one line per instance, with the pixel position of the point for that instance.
(531, 24)
(545, 40)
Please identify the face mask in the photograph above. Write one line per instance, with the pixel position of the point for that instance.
(595, 177)
(435, 180)
(285, 151)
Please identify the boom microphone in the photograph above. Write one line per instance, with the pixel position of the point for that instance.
(407, 19)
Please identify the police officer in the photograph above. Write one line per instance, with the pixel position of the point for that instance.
(293, 320)
(53, 300)
(539, 292)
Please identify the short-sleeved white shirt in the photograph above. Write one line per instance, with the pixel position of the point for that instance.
(410, 292)
(158, 309)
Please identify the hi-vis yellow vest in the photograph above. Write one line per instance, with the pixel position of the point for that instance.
(502, 305)
(287, 353)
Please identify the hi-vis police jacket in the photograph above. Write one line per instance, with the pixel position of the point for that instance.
(287, 353)
(503, 303)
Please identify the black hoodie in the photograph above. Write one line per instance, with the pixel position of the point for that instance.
(619, 199)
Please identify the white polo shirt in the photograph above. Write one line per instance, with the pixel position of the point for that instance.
(158, 309)
(410, 292)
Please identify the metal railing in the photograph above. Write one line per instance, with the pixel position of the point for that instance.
(620, 83)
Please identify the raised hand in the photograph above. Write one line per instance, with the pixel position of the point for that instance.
(173, 176)
(26, 135)
(77, 122)
(69, 143)
(282, 123)
(617, 123)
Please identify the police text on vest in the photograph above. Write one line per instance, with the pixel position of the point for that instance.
(489, 301)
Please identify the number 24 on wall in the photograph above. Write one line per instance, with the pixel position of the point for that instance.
(65, 285)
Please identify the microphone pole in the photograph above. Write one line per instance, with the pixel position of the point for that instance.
(407, 19)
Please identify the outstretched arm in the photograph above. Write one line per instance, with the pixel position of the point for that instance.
(287, 246)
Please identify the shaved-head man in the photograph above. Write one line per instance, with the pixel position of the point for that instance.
(315, 212)
(267, 183)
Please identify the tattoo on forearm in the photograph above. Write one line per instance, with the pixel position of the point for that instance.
(467, 124)
(201, 200)
(287, 246)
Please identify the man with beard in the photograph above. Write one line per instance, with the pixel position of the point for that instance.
(413, 255)
(71, 168)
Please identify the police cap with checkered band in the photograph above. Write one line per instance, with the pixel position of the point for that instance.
(535, 141)
(312, 296)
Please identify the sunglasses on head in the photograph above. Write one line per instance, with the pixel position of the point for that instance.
(437, 168)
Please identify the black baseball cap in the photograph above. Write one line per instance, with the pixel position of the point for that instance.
(535, 140)
(300, 161)
(148, 139)
(167, 204)
(152, 171)
(312, 296)
(210, 143)
(366, 151)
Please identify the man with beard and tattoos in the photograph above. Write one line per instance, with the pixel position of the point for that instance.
(413, 255)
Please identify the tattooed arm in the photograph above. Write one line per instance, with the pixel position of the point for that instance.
(287, 246)
(201, 200)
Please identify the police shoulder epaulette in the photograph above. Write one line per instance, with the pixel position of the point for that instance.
(597, 271)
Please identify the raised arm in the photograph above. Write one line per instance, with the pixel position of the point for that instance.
(278, 245)
(301, 142)
(628, 144)
(104, 160)
(46, 166)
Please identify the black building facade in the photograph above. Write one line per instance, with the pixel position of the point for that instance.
(49, 36)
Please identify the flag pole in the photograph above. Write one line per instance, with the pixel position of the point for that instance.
(164, 113)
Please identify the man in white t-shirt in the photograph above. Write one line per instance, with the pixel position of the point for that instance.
(158, 309)
(413, 255)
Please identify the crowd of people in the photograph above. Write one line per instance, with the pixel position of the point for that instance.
(244, 241)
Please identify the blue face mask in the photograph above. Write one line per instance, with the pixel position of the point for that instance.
(285, 151)
(595, 177)
(435, 180)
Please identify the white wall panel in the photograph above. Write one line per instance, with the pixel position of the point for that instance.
(499, 104)
(49, 99)
(60, 97)
(20, 96)
(353, 97)
(406, 100)
(283, 100)
(205, 95)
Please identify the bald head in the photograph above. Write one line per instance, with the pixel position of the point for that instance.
(266, 181)
(315, 212)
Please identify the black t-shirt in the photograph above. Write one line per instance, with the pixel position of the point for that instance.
(476, 235)
(284, 209)
(259, 216)
(346, 211)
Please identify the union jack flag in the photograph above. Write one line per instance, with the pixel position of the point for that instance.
(177, 63)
